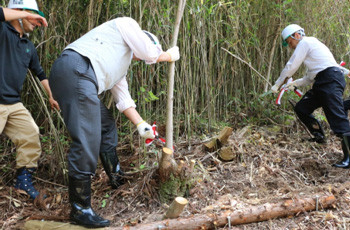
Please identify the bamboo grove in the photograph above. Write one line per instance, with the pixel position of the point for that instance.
(212, 87)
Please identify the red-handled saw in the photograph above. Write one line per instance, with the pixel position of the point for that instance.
(149, 141)
(284, 89)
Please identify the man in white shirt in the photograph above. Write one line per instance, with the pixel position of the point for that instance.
(327, 90)
(97, 62)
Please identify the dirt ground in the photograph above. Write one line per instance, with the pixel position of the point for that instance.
(271, 164)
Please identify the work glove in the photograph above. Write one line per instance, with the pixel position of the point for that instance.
(174, 53)
(275, 88)
(145, 130)
(291, 86)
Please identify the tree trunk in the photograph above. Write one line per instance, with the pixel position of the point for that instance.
(249, 215)
(171, 73)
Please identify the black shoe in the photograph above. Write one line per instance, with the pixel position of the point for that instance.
(112, 168)
(24, 182)
(80, 200)
(345, 163)
(318, 137)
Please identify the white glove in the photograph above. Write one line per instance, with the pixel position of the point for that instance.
(145, 130)
(291, 86)
(345, 71)
(275, 88)
(174, 53)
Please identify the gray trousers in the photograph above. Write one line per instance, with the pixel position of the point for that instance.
(90, 125)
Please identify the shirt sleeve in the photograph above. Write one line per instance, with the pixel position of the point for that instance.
(141, 45)
(122, 95)
(303, 81)
(294, 62)
(2, 15)
(35, 66)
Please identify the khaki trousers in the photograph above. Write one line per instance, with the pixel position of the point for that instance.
(17, 123)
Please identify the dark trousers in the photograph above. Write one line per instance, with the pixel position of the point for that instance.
(327, 92)
(90, 125)
(347, 104)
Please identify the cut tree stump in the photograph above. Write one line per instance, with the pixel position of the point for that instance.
(175, 178)
(248, 215)
(220, 140)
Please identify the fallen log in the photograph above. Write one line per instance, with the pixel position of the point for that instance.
(248, 215)
(52, 225)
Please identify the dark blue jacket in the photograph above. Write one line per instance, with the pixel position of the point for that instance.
(17, 55)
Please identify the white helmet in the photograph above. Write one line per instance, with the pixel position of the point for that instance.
(26, 5)
(289, 30)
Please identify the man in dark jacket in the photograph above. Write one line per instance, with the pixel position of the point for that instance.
(17, 55)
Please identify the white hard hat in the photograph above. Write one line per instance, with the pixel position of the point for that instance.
(289, 30)
(26, 5)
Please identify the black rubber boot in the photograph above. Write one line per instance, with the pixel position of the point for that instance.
(318, 137)
(24, 182)
(345, 163)
(316, 130)
(112, 168)
(80, 200)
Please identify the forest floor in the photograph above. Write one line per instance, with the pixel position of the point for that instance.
(272, 164)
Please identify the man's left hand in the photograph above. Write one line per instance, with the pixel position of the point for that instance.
(54, 104)
(291, 86)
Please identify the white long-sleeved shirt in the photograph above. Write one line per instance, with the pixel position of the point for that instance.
(110, 48)
(314, 54)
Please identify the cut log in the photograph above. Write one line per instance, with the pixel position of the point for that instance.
(226, 153)
(37, 224)
(248, 215)
(176, 208)
(224, 135)
(220, 140)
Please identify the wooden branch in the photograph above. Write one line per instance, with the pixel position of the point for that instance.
(250, 66)
(171, 73)
(176, 208)
(248, 215)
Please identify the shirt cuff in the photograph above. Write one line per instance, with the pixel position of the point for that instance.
(2, 15)
(123, 105)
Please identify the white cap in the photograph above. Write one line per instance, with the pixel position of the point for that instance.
(289, 30)
(26, 5)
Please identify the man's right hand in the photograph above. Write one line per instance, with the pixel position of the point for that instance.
(145, 130)
(173, 53)
(36, 19)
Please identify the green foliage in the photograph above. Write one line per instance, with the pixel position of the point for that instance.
(174, 187)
